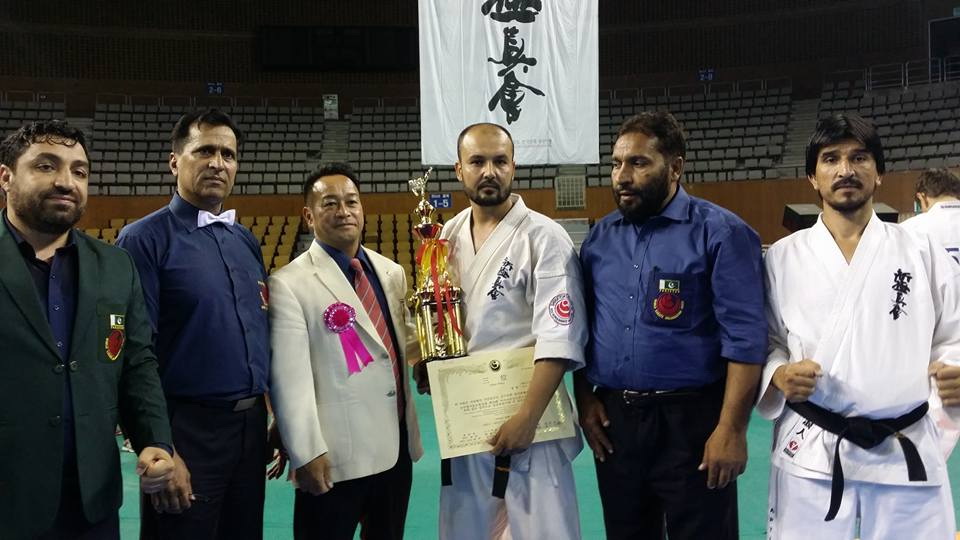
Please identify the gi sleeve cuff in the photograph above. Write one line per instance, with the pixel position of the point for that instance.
(572, 352)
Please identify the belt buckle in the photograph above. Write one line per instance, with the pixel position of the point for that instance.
(631, 397)
(635, 397)
(244, 404)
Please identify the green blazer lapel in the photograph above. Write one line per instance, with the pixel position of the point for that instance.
(16, 278)
(88, 270)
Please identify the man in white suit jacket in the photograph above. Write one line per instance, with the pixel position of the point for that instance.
(347, 418)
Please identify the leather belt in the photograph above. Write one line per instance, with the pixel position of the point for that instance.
(641, 398)
(235, 405)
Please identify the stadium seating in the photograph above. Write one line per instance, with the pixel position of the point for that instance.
(131, 147)
(730, 135)
(919, 126)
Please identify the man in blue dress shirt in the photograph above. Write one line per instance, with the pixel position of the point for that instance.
(205, 290)
(677, 342)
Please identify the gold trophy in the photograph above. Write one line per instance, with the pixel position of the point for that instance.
(435, 301)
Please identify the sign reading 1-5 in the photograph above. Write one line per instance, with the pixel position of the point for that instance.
(441, 200)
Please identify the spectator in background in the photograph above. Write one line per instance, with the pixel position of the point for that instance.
(938, 205)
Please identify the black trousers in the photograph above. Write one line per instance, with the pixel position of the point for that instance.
(377, 502)
(650, 487)
(226, 453)
(71, 524)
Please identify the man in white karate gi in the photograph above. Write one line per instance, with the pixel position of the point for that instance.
(521, 288)
(938, 199)
(938, 202)
(863, 317)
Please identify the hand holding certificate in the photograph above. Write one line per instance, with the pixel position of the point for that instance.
(473, 396)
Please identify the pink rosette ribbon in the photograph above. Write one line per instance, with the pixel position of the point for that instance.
(340, 318)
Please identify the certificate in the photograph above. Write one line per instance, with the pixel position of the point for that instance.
(474, 395)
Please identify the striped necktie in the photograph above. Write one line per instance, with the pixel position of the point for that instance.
(370, 304)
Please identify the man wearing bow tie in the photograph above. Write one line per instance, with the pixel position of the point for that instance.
(205, 290)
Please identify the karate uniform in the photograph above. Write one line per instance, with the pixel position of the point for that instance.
(873, 326)
(942, 223)
(521, 289)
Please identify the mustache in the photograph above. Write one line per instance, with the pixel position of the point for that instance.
(851, 182)
(70, 194)
(488, 183)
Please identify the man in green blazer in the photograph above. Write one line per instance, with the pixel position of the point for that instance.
(75, 351)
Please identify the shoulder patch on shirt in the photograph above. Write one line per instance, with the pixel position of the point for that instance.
(668, 305)
(561, 310)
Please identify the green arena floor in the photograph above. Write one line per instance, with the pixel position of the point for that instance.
(422, 515)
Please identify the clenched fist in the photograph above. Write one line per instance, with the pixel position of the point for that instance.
(797, 380)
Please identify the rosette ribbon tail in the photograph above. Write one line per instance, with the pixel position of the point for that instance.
(341, 319)
(355, 353)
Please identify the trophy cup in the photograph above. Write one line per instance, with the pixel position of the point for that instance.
(435, 301)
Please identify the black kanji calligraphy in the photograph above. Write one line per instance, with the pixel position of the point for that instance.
(505, 268)
(510, 95)
(901, 286)
(512, 92)
(524, 11)
(496, 291)
(512, 53)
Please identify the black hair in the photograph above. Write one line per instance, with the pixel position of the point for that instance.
(41, 131)
(671, 140)
(842, 127)
(209, 117)
(330, 169)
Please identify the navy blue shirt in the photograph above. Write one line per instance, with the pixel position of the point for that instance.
(343, 261)
(56, 286)
(205, 291)
(672, 299)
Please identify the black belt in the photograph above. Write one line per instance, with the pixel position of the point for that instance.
(865, 433)
(641, 398)
(501, 473)
(235, 405)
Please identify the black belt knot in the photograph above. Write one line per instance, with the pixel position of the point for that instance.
(865, 433)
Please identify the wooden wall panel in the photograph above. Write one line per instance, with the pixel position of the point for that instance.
(759, 202)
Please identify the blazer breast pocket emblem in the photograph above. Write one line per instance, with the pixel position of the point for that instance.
(116, 337)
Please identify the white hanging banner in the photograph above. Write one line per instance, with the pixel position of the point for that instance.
(528, 65)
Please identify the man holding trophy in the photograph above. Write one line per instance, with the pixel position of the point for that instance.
(520, 296)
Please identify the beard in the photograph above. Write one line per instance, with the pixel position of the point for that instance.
(647, 199)
(43, 215)
(498, 197)
(848, 205)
